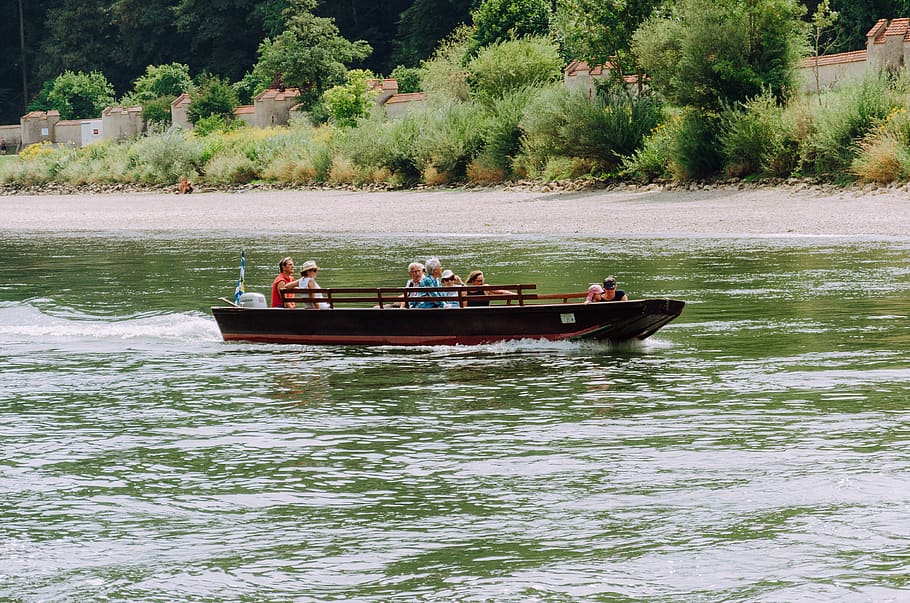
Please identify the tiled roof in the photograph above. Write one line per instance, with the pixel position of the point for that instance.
(278, 95)
(576, 65)
(836, 59)
(180, 101)
(244, 109)
(388, 84)
(877, 28)
(407, 97)
(41, 114)
(121, 110)
(71, 122)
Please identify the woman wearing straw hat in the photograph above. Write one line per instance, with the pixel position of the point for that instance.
(308, 281)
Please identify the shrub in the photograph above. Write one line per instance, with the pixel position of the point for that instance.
(502, 136)
(390, 145)
(230, 168)
(754, 138)
(445, 76)
(882, 159)
(215, 124)
(694, 149)
(485, 169)
(351, 101)
(509, 66)
(450, 137)
(844, 116)
(213, 97)
(166, 158)
(604, 130)
(158, 110)
(652, 159)
(408, 78)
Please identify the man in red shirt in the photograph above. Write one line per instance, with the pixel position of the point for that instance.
(284, 279)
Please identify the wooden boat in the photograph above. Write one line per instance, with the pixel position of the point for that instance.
(358, 316)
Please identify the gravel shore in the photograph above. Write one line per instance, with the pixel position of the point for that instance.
(732, 210)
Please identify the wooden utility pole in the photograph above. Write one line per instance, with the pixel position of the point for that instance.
(22, 49)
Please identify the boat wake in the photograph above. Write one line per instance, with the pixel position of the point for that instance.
(26, 323)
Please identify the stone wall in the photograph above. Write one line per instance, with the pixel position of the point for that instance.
(12, 137)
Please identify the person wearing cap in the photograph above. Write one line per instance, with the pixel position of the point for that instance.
(606, 292)
(284, 280)
(308, 281)
(450, 279)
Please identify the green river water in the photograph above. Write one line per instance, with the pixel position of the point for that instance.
(756, 449)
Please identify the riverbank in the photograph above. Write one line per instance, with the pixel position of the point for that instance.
(796, 209)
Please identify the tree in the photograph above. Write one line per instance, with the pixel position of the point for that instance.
(309, 54)
(76, 95)
(424, 24)
(822, 20)
(500, 20)
(213, 96)
(351, 101)
(707, 53)
(600, 31)
(161, 80)
(505, 67)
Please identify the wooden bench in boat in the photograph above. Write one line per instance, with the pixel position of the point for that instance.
(391, 297)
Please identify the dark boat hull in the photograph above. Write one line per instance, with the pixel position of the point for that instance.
(613, 321)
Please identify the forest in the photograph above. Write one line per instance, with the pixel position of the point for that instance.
(40, 39)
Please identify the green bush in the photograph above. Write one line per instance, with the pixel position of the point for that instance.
(408, 78)
(756, 139)
(450, 137)
(215, 124)
(76, 95)
(350, 101)
(499, 20)
(651, 161)
(603, 130)
(695, 150)
(386, 144)
(502, 137)
(158, 110)
(844, 117)
(213, 97)
(506, 67)
(160, 80)
(165, 158)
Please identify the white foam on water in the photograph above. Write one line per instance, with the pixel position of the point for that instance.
(26, 323)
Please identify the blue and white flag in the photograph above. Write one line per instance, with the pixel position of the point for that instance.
(239, 289)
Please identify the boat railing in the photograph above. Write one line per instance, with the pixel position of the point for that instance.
(402, 296)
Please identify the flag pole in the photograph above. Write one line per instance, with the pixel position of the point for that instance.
(240, 288)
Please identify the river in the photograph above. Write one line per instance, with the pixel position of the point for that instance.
(754, 449)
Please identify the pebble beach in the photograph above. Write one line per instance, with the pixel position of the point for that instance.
(640, 211)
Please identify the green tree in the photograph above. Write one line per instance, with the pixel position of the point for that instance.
(348, 103)
(600, 31)
(707, 53)
(76, 95)
(213, 96)
(408, 78)
(424, 24)
(309, 54)
(499, 20)
(161, 80)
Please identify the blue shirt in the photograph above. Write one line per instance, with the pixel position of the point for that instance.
(429, 281)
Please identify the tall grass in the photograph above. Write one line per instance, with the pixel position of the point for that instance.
(843, 117)
(603, 130)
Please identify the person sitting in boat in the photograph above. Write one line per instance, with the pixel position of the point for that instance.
(415, 274)
(450, 279)
(308, 281)
(476, 279)
(284, 280)
(606, 292)
(431, 279)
